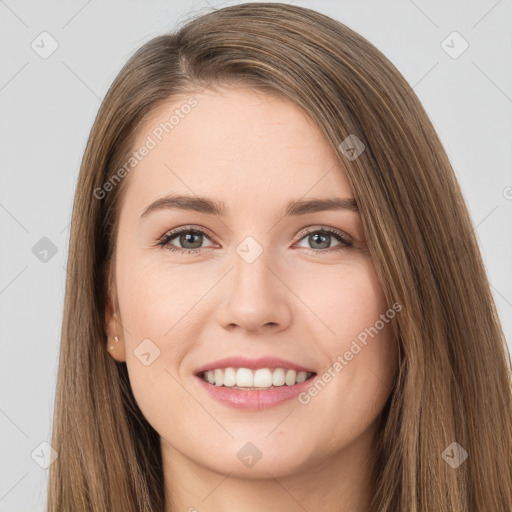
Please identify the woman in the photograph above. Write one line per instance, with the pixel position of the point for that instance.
(328, 341)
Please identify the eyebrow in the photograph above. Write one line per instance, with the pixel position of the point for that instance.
(211, 207)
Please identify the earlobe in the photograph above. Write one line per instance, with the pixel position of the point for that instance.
(115, 343)
(114, 331)
(116, 348)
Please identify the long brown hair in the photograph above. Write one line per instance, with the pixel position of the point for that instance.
(454, 377)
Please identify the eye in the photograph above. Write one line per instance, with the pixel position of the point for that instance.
(189, 238)
(320, 239)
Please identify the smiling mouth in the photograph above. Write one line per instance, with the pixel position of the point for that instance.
(255, 380)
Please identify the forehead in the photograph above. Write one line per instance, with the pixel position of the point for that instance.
(233, 143)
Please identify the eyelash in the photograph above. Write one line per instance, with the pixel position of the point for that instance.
(346, 243)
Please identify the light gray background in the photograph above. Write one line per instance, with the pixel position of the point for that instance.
(47, 108)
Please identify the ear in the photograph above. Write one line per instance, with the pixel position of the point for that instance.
(113, 321)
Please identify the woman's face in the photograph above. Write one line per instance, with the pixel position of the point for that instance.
(258, 286)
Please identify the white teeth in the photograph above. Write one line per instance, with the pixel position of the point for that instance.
(301, 377)
(290, 377)
(229, 377)
(244, 378)
(262, 378)
(278, 377)
(219, 377)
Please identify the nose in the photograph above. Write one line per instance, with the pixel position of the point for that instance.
(256, 298)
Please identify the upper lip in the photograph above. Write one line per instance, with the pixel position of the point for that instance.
(253, 364)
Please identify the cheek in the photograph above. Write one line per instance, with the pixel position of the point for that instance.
(343, 302)
(157, 299)
(159, 330)
(162, 290)
(354, 331)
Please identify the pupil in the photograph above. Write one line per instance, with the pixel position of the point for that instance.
(325, 238)
(189, 238)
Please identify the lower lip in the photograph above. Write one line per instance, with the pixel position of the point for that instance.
(254, 400)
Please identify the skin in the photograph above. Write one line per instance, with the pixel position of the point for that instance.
(250, 149)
